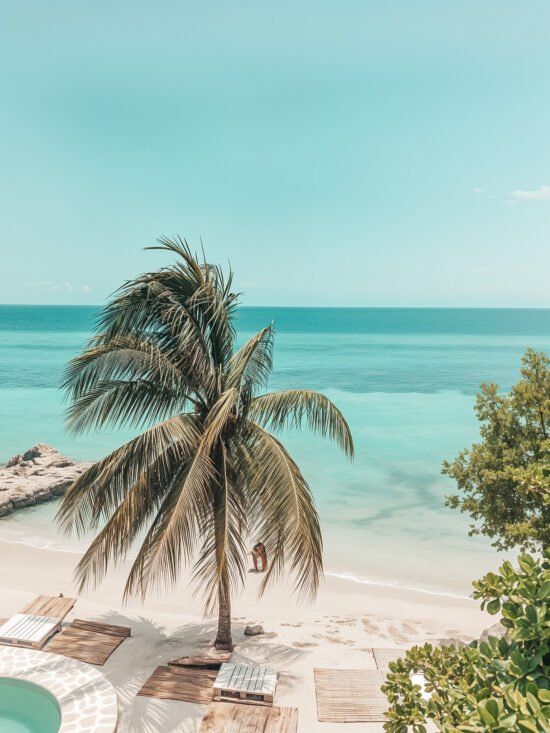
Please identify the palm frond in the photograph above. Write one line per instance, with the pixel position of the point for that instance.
(113, 542)
(161, 305)
(250, 367)
(155, 454)
(281, 510)
(221, 562)
(117, 403)
(188, 513)
(291, 408)
(181, 521)
(127, 358)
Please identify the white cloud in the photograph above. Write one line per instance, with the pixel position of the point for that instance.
(86, 289)
(477, 190)
(50, 285)
(542, 193)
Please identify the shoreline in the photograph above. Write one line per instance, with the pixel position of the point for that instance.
(345, 576)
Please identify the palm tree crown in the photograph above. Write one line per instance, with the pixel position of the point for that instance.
(205, 473)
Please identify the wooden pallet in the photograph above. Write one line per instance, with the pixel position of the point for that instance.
(383, 657)
(350, 695)
(239, 682)
(89, 641)
(230, 718)
(50, 606)
(28, 630)
(184, 685)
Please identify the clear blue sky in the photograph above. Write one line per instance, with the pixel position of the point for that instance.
(338, 153)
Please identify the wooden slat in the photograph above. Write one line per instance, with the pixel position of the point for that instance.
(350, 695)
(123, 631)
(185, 685)
(51, 606)
(85, 644)
(225, 717)
(383, 657)
(213, 660)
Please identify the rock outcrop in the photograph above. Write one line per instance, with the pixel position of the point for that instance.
(38, 475)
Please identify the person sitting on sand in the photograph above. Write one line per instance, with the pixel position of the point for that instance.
(259, 553)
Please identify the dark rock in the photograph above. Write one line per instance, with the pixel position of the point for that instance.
(254, 630)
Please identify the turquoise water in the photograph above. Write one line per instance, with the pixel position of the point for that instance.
(27, 708)
(406, 381)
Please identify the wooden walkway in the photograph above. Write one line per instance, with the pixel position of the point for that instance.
(350, 695)
(182, 684)
(88, 641)
(225, 717)
(50, 606)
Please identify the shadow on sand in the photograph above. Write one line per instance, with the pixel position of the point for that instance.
(150, 646)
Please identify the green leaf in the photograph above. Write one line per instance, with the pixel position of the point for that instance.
(493, 606)
(485, 715)
(529, 726)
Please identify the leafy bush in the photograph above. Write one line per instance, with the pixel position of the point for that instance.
(503, 481)
(501, 685)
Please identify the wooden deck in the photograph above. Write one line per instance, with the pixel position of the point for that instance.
(383, 657)
(88, 641)
(50, 606)
(182, 684)
(350, 695)
(225, 717)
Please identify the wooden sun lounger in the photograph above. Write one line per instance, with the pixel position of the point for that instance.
(89, 641)
(231, 718)
(50, 606)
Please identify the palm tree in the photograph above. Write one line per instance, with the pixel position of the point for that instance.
(205, 473)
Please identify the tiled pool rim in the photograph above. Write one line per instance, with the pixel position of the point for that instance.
(86, 698)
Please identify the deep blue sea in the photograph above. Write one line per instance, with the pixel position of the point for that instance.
(405, 379)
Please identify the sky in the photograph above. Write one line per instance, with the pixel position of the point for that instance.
(350, 153)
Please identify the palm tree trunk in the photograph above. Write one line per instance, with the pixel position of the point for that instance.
(223, 638)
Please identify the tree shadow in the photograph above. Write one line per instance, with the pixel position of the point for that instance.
(150, 646)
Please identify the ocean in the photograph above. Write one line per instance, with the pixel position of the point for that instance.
(406, 381)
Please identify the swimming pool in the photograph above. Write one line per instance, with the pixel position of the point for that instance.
(27, 708)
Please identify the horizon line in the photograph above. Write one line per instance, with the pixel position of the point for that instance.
(309, 307)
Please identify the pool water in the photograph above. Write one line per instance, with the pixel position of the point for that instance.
(27, 708)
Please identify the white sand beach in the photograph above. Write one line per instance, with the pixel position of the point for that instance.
(346, 619)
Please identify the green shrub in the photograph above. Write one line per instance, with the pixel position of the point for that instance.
(501, 685)
(503, 481)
